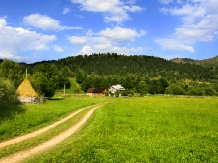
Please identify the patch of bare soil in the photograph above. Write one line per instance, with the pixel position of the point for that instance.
(19, 156)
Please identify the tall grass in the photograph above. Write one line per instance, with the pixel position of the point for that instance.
(22, 119)
(153, 129)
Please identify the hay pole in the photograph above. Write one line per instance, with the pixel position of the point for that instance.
(26, 72)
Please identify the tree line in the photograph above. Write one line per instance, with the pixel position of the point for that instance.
(138, 74)
(144, 84)
(45, 79)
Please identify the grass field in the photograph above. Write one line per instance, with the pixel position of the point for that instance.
(22, 119)
(152, 129)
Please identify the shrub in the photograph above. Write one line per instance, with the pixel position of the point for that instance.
(7, 93)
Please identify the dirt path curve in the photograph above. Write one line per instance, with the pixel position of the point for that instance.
(19, 156)
(33, 134)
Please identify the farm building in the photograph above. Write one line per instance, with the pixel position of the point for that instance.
(26, 93)
(96, 91)
(114, 88)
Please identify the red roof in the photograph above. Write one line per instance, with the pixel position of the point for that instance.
(96, 90)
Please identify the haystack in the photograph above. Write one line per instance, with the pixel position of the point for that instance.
(26, 93)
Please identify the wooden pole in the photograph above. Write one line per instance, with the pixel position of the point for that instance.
(64, 88)
(26, 72)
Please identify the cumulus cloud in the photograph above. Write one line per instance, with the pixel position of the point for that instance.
(3, 23)
(112, 49)
(114, 10)
(78, 40)
(108, 40)
(45, 22)
(199, 20)
(172, 44)
(166, 1)
(66, 10)
(58, 49)
(14, 40)
(120, 35)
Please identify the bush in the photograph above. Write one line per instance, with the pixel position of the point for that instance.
(177, 90)
(7, 93)
(193, 91)
(210, 91)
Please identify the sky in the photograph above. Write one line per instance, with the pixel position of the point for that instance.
(35, 30)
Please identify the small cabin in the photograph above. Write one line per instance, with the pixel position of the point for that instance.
(115, 88)
(96, 91)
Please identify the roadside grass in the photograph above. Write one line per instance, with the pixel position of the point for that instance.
(22, 119)
(152, 129)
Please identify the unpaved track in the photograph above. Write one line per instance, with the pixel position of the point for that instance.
(33, 134)
(19, 156)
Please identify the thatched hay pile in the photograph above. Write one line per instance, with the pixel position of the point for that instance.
(25, 89)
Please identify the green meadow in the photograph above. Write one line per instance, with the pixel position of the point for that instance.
(145, 129)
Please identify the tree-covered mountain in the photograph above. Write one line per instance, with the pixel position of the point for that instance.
(139, 65)
(114, 64)
(210, 62)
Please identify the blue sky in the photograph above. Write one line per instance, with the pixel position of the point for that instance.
(33, 30)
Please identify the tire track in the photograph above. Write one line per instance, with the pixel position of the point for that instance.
(40, 131)
(20, 156)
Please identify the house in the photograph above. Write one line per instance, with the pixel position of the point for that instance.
(96, 91)
(114, 88)
(26, 93)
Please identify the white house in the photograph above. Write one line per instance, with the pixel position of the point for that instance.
(114, 88)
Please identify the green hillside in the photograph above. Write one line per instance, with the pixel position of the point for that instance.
(114, 64)
(74, 88)
(210, 62)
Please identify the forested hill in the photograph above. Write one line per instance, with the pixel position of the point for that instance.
(210, 62)
(114, 64)
(150, 66)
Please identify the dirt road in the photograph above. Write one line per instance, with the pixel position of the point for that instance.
(19, 156)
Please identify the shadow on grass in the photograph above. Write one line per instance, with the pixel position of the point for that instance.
(9, 112)
(55, 99)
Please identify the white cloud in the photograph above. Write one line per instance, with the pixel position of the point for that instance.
(115, 10)
(45, 22)
(86, 50)
(10, 56)
(120, 35)
(172, 44)
(108, 40)
(3, 23)
(199, 24)
(166, 1)
(66, 10)
(58, 48)
(14, 40)
(179, 1)
(78, 40)
(111, 49)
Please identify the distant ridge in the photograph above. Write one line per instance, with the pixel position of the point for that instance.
(210, 62)
(185, 60)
